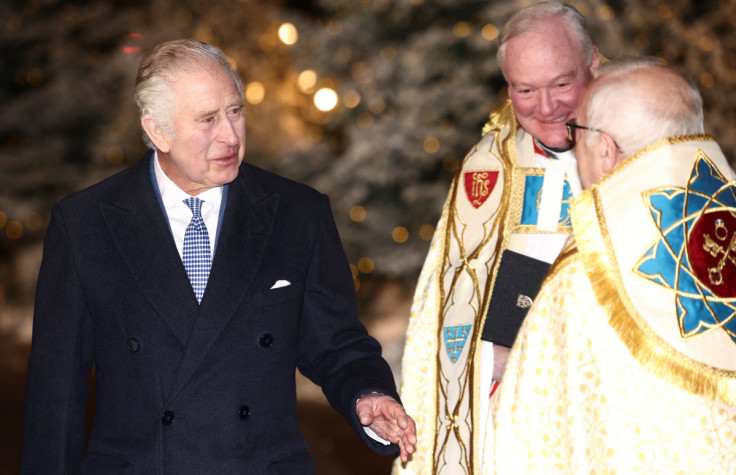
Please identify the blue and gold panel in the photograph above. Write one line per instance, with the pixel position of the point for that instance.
(695, 254)
(455, 338)
(533, 196)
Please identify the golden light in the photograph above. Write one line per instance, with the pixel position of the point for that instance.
(255, 92)
(204, 34)
(351, 99)
(605, 12)
(325, 99)
(705, 44)
(288, 34)
(462, 29)
(306, 80)
(636, 20)
(431, 145)
(706, 79)
(357, 213)
(664, 11)
(400, 234)
(14, 230)
(365, 120)
(114, 155)
(366, 265)
(34, 77)
(489, 32)
(34, 221)
(354, 270)
(3, 219)
(426, 232)
(377, 105)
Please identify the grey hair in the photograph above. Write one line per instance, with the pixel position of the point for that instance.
(537, 16)
(154, 89)
(634, 116)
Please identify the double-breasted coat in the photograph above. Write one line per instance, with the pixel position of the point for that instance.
(184, 388)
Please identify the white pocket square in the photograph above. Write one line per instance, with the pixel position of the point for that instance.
(280, 283)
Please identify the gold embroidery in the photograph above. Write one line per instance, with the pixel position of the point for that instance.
(650, 349)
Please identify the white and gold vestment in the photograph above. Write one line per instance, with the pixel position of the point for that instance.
(507, 195)
(626, 362)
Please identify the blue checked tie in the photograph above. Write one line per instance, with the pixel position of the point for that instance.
(196, 256)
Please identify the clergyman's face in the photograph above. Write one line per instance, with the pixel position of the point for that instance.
(547, 75)
(209, 130)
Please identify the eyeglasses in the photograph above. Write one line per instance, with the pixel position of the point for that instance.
(571, 126)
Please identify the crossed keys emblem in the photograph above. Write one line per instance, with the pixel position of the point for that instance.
(715, 248)
(695, 252)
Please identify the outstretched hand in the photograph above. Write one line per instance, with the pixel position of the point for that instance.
(388, 419)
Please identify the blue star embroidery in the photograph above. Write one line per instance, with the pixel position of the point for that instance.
(695, 254)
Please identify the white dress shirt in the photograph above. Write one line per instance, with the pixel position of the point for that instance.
(180, 215)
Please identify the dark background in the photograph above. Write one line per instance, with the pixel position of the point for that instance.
(425, 78)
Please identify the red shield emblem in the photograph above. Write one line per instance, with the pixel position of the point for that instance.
(479, 185)
(712, 252)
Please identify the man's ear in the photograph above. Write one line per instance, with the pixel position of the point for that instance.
(608, 153)
(155, 133)
(594, 62)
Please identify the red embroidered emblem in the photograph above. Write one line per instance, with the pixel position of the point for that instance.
(711, 248)
(479, 185)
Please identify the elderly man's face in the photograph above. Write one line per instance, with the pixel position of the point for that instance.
(547, 74)
(209, 124)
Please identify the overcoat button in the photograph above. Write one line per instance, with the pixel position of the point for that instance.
(266, 340)
(244, 412)
(133, 345)
(167, 418)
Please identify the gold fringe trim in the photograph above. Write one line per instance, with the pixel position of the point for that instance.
(647, 347)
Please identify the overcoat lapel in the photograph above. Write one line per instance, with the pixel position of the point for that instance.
(245, 231)
(141, 232)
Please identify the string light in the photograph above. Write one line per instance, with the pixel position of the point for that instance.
(255, 92)
(306, 80)
(288, 34)
(325, 99)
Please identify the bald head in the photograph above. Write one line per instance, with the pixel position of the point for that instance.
(634, 102)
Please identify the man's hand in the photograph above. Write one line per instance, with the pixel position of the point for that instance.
(388, 419)
(500, 359)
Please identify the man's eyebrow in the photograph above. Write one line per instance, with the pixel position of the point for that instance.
(205, 114)
(556, 79)
(567, 75)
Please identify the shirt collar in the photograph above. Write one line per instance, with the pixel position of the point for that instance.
(172, 195)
